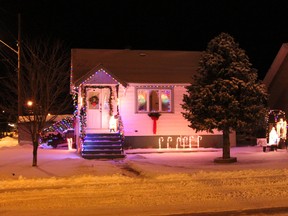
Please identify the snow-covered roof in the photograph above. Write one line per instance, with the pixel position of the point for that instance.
(136, 66)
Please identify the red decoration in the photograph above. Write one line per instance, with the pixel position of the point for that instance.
(94, 100)
(154, 124)
(154, 116)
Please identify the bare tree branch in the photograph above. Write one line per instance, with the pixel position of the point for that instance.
(45, 69)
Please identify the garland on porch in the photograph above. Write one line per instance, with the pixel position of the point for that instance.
(75, 103)
(83, 119)
(83, 111)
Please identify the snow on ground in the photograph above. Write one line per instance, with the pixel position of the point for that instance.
(146, 182)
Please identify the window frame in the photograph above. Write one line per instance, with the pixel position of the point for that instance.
(148, 90)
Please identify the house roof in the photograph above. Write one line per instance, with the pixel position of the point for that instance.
(276, 80)
(135, 66)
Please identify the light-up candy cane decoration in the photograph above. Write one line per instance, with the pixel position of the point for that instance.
(198, 141)
(190, 141)
(161, 139)
(168, 142)
(178, 142)
(185, 140)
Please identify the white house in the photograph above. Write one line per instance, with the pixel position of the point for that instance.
(135, 86)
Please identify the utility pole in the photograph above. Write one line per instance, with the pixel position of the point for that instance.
(19, 74)
(19, 64)
(18, 52)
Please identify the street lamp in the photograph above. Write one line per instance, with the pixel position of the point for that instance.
(18, 52)
(29, 103)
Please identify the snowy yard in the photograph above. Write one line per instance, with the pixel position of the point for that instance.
(146, 182)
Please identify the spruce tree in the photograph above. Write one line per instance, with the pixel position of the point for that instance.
(225, 94)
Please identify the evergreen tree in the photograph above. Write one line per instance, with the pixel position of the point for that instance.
(225, 94)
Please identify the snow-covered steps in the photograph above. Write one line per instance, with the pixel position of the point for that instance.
(103, 145)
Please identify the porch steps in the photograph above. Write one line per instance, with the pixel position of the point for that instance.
(103, 145)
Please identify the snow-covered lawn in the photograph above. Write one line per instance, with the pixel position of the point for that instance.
(146, 182)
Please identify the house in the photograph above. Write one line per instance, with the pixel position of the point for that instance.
(276, 83)
(276, 80)
(140, 89)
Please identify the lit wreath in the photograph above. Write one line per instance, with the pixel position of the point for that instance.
(94, 100)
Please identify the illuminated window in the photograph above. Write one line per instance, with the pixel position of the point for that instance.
(154, 100)
(142, 101)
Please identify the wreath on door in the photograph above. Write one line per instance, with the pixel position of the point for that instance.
(94, 100)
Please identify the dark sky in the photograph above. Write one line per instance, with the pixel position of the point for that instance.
(260, 27)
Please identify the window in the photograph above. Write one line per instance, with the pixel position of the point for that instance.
(154, 100)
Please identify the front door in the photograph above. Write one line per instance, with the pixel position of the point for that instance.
(97, 109)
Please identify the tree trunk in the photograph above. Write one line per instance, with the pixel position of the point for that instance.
(35, 150)
(226, 144)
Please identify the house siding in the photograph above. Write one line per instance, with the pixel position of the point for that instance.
(138, 127)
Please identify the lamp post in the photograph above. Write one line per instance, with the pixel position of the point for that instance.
(18, 52)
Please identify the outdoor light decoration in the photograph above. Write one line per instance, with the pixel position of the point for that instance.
(190, 141)
(169, 139)
(160, 140)
(198, 141)
(184, 141)
(178, 141)
(98, 73)
(276, 119)
(113, 124)
(159, 86)
(75, 103)
(70, 142)
(61, 126)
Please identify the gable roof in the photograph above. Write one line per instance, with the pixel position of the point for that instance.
(135, 66)
(276, 80)
(99, 75)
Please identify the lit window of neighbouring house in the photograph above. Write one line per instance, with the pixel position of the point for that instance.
(154, 100)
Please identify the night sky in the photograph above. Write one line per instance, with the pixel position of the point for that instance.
(260, 27)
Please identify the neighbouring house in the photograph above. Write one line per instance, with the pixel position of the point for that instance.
(58, 124)
(276, 80)
(133, 96)
(277, 86)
